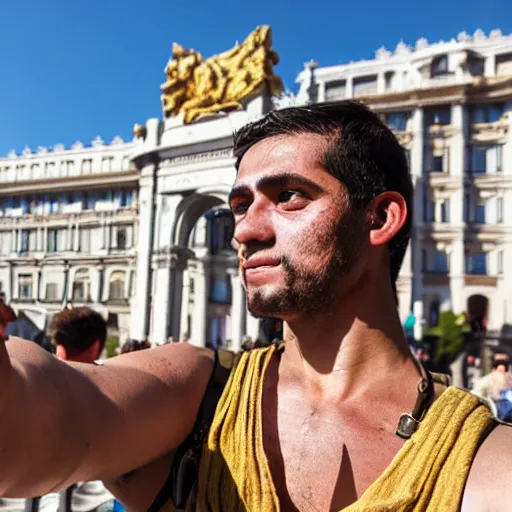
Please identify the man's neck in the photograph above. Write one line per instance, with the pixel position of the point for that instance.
(354, 346)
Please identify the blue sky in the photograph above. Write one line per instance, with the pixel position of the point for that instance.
(71, 70)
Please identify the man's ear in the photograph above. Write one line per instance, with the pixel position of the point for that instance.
(61, 353)
(388, 213)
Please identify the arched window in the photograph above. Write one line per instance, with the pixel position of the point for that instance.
(117, 285)
(82, 286)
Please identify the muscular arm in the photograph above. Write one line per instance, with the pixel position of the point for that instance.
(491, 474)
(65, 422)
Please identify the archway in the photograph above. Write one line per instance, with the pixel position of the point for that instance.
(478, 308)
(200, 290)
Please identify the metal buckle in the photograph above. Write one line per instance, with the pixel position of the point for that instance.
(407, 425)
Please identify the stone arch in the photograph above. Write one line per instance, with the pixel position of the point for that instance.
(192, 208)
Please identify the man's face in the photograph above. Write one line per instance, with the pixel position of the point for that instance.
(298, 238)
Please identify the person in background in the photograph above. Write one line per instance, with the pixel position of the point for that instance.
(134, 345)
(7, 315)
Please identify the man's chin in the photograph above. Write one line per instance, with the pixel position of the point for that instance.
(268, 305)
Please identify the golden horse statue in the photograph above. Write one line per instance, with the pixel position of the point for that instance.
(197, 87)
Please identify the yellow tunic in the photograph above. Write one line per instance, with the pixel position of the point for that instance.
(428, 473)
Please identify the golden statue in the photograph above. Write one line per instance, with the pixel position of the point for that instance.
(197, 87)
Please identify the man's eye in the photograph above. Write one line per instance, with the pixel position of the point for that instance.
(240, 208)
(289, 195)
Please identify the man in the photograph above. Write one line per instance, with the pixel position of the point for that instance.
(7, 315)
(494, 384)
(322, 204)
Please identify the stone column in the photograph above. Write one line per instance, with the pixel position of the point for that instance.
(237, 310)
(69, 241)
(178, 264)
(185, 305)
(140, 313)
(199, 325)
(417, 175)
(457, 275)
(161, 300)
(253, 327)
(101, 279)
(76, 242)
(45, 239)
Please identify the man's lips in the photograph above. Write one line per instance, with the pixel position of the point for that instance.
(256, 262)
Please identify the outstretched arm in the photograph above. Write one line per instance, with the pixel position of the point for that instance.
(66, 422)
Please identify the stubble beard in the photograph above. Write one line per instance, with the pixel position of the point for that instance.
(306, 292)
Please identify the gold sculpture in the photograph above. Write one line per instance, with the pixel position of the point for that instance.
(197, 87)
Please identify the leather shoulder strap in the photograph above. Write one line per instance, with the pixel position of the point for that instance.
(185, 465)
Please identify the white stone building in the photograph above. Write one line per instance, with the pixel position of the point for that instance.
(68, 228)
(142, 228)
(450, 104)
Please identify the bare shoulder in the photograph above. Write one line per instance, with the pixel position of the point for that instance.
(491, 473)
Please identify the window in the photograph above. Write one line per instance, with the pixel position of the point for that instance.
(480, 213)
(121, 238)
(51, 291)
(85, 240)
(220, 230)
(433, 317)
(335, 90)
(116, 285)
(477, 263)
(500, 262)
(504, 64)
(437, 163)
(445, 211)
(499, 208)
(389, 79)
(52, 240)
(106, 163)
(424, 260)
(25, 235)
(440, 262)
(81, 286)
(25, 283)
(486, 159)
(398, 120)
(364, 86)
(429, 212)
(438, 115)
(191, 286)
(126, 198)
(467, 207)
(87, 166)
(487, 113)
(439, 66)
(220, 290)
(475, 65)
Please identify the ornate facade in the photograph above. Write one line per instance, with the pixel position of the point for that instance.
(142, 229)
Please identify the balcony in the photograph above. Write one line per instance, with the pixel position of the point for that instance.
(404, 137)
(495, 132)
(88, 217)
(480, 280)
(440, 131)
(435, 278)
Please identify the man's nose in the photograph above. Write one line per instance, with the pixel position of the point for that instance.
(255, 226)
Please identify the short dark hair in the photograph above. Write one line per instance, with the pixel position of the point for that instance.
(364, 155)
(76, 329)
